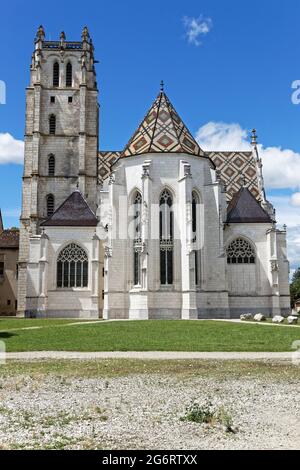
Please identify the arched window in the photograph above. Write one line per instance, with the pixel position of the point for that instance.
(52, 124)
(56, 74)
(50, 205)
(240, 251)
(72, 267)
(69, 74)
(51, 165)
(137, 202)
(166, 238)
(195, 229)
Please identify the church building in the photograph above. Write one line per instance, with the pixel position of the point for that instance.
(161, 229)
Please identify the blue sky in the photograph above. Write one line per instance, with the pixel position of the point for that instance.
(241, 74)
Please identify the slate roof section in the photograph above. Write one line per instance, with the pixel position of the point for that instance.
(74, 212)
(9, 239)
(162, 130)
(244, 208)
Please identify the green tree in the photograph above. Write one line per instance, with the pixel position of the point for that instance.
(295, 287)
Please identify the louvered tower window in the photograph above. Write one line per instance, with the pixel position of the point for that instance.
(50, 205)
(56, 74)
(52, 124)
(69, 74)
(51, 165)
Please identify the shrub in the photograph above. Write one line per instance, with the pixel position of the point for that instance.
(209, 414)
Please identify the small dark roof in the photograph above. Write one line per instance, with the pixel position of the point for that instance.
(244, 208)
(74, 212)
(9, 239)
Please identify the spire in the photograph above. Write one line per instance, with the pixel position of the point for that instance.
(162, 130)
(162, 86)
(85, 34)
(1, 222)
(62, 38)
(253, 137)
(40, 35)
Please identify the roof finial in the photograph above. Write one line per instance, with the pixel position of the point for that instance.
(85, 34)
(253, 137)
(77, 185)
(40, 33)
(162, 86)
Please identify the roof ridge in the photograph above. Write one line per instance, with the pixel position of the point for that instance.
(159, 97)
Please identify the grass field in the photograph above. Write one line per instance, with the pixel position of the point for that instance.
(184, 368)
(157, 335)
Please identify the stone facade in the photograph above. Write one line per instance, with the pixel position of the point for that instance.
(9, 254)
(74, 145)
(130, 265)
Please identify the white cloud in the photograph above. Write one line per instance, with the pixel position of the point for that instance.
(195, 28)
(293, 246)
(295, 200)
(11, 149)
(222, 136)
(281, 166)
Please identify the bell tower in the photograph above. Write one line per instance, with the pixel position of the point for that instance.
(61, 135)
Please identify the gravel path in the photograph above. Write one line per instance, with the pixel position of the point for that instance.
(143, 412)
(159, 355)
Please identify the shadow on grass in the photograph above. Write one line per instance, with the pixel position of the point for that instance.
(6, 334)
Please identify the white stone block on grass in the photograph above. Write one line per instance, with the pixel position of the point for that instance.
(278, 319)
(246, 317)
(259, 317)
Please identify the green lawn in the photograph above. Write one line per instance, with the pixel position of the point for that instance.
(157, 335)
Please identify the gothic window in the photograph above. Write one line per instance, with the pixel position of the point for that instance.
(240, 251)
(50, 205)
(195, 228)
(51, 165)
(56, 74)
(72, 267)
(69, 74)
(52, 124)
(137, 203)
(166, 238)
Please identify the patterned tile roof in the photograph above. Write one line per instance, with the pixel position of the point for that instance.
(9, 239)
(232, 165)
(73, 212)
(162, 130)
(244, 208)
(105, 161)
